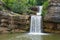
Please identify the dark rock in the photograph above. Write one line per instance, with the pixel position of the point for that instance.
(58, 26)
(34, 8)
(48, 25)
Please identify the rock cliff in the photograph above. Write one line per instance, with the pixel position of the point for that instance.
(11, 22)
(52, 18)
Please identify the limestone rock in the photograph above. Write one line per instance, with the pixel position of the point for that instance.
(52, 18)
(53, 14)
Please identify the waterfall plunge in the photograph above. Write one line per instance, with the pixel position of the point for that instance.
(35, 27)
(35, 24)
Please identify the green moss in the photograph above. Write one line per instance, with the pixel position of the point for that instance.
(45, 7)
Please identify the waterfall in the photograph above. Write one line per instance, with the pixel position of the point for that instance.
(35, 24)
(35, 27)
(40, 10)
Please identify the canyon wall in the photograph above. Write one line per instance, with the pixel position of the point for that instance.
(52, 18)
(10, 23)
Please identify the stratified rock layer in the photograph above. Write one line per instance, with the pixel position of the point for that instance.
(52, 18)
(10, 22)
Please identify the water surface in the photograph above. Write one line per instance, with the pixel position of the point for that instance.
(25, 36)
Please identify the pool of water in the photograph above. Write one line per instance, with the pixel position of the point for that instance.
(25, 36)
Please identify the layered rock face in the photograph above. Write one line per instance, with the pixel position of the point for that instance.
(13, 23)
(52, 18)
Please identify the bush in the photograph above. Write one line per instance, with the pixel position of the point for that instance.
(41, 2)
(22, 6)
(45, 7)
(19, 6)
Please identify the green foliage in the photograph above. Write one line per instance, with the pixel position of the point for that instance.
(22, 6)
(32, 2)
(19, 6)
(40, 2)
(45, 6)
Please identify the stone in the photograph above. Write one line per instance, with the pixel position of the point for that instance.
(53, 14)
(14, 23)
(48, 26)
(52, 18)
(24, 16)
(47, 30)
(58, 26)
(55, 1)
(5, 31)
(34, 8)
(56, 31)
(22, 31)
(17, 30)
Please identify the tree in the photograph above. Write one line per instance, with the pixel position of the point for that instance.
(22, 6)
(40, 2)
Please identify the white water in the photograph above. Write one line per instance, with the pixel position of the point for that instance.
(35, 24)
(40, 10)
(35, 27)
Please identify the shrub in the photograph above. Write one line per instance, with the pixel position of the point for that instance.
(22, 6)
(19, 6)
(40, 2)
(45, 7)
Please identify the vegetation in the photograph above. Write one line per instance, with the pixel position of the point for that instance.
(22, 6)
(41, 2)
(45, 6)
(1, 8)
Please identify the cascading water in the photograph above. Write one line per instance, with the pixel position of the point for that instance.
(35, 27)
(35, 24)
(39, 10)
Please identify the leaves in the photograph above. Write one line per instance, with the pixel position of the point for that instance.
(45, 6)
(21, 6)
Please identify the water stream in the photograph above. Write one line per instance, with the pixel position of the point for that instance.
(35, 24)
(36, 20)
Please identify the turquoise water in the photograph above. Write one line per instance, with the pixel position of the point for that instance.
(25, 36)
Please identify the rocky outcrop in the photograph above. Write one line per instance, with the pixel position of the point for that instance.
(10, 22)
(52, 18)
